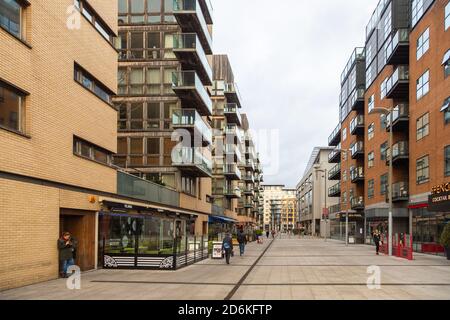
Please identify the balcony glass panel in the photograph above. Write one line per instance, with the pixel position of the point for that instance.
(400, 74)
(189, 79)
(191, 118)
(356, 122)
(191, 156)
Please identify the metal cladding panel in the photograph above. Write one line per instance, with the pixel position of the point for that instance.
(401, 13)
(360, 73)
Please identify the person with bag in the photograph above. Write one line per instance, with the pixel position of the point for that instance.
(67, 246)
(242, 239)
(377, 239)
(227, 247)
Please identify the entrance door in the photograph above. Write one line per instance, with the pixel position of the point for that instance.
(81, 225)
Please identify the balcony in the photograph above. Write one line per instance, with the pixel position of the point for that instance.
(357, 150)
(232, 153)
(335, 155)
(231, 112)
(188, 49)
(233, 133)
(397, 86)
(399, 192)
(357, 174)
(357, 99)
(335, 191)
(192, 161)
(335, 138)
(397, 50)
(357, 203)
(334, 209)
(133, 187)
(232, 94)
(357, 125)
(248, 177)
(232, 193)
(400, 153)
(207, 10)
(249, 191)
(190, 17)
(250, 153)
(191, 120)
(250, 165)
(189, 88)
(400, 119)
(232, 172)
(335, 172)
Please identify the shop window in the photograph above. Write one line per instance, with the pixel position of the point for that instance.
(423, 126)
(423, 85)
(423, 43)
(447, 161)
(11, 108)
(422, 170)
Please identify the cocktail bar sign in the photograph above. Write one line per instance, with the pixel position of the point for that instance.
(439, 200)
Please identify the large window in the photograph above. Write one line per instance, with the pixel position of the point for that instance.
(423, 85)
(422, 170)
(11, 108)
(11, 17)
(90, 151)
(447, 16)
(447, 161)
(417, 11)
(423, 126)
(89, 82)
(383, 151)
(423, 43)
(146, 12)
(188, 185)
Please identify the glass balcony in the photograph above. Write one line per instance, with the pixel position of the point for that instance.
(357, 174)
(232, 172)
(335, 172)
(232, 94)
(233, 133)
(191, 120)
(335, 155)
(188, 49)
(400, 152)
(190, 17)
(208, 10)
(357, 125)
(335, 138)
(249, 190)
(249, 177)
(357, 203)
(357, 54)
(335, 191)
(357, 149)
(188, 87)
(397, 86)
(231, 112)
(400, 118)
(192, 161)
(232, 153)
(232, 192)
(399, 192)
(357, 99)
(397, 50)
(137, 188)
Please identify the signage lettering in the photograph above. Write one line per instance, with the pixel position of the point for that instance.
(441, 188)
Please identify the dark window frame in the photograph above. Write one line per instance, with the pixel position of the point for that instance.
(422, 181)
(78, 143)
(21, 108)
(80, 72)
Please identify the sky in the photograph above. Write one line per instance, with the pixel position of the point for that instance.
(287, 57)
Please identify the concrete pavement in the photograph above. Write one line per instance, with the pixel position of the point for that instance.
(288, 268)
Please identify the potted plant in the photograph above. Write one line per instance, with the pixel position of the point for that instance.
(445, 240)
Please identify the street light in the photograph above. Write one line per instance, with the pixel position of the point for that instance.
(388, 111)
(316, 169)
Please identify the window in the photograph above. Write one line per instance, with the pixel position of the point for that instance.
(153, 115)
(136, 45)
(383, 150)
(344, 134)
(384, 88)
(423, 85)
(447, 16)
(446, 64)
(90, 83)
(188, 185)
(153, 81)
(371, 103)
(383, 121)
(153, 43)
(11, 108)
(447, 161)
(417, 11)
(446, 110)
(371, 131)
(137, 116)
(344, 175)
(88, 12)
(11, 17)
(422, 170)
(423, 129)
(90, 151)
(371, 189)
(370, 159)
(383, 184)
(136, 151)
(423, 43)
(122, 146)
(153, 151)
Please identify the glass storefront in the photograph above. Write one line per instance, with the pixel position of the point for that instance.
(337, 230)
(427, 229)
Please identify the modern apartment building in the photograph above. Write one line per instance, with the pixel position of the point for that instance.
(165, 108)
(279, 208)
(312, 193)
(406, 76)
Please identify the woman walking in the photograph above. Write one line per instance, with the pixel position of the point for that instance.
(377, 239)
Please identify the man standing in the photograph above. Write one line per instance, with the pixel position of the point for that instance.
(242, 239)
(227, 246)
(67, 246)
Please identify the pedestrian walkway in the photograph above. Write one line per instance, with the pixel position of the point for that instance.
(286, 268)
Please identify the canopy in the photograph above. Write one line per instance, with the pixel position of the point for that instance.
(221, 219)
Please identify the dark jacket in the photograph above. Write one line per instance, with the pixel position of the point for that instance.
(67, 252)
(241, 237)
(376, 238)
(228, 240)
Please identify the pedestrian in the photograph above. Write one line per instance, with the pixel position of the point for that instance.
(67, 246)
(377, 239)
(273, 234)
(227, 247)
(242, 239)
(267, 234)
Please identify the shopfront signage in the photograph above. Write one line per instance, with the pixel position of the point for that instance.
(439, 200)
(439, 189)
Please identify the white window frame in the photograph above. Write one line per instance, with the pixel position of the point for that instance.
(423, 44)
(423, 85)
(417, 11)
(447, 17)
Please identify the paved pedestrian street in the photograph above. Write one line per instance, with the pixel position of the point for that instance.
(286, 268)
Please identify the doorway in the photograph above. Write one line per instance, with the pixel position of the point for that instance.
(81, 225)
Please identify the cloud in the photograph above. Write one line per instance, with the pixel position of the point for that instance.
(287, 57)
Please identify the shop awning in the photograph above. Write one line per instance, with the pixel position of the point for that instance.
(446, 57)
(221, 219)
(446, 105)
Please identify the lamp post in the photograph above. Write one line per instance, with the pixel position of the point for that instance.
(388, 111)
(325, 195)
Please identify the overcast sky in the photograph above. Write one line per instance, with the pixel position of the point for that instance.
(287, 57)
